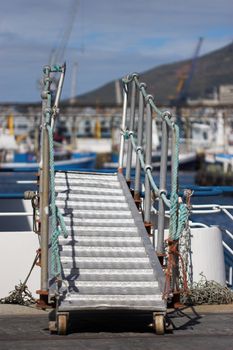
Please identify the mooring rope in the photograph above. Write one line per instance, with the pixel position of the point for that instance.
(57, 221)
(207, 292)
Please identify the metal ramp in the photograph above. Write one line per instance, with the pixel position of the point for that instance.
(108, 261)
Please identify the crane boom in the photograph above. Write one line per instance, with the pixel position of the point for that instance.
(182, 94)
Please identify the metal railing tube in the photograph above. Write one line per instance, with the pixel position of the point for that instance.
(147, 201)
(174, 189)
(131, 128)
(44, 183)
(162, 187)
(123, 123)
(58, 95)
(137, 183)
(44, 195)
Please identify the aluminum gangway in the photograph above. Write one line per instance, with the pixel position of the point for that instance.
(107, 259)
(97, 244)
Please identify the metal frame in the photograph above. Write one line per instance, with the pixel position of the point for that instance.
(146, 107)
(49, 114)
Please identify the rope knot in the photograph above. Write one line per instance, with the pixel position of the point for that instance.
(125, 133)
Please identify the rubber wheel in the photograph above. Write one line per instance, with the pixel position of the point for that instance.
(159, 324)
(62, 324)
(52, 327)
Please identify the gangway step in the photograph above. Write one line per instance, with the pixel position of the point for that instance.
(77, 222)
(93, 177)
(74, 204)
(90, 198)
(118, 252)
(104, 214)
(87, 183)
(109, 274)
(105, 262)
(110, 288)
(130, 302)
(102, 231)
(88, 190)
(101, 241)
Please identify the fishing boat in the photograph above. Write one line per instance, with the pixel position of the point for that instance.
(73, 162)
(22, 158)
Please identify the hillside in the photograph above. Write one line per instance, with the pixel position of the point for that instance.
(212, 70)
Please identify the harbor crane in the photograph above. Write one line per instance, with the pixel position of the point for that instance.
(185, 77)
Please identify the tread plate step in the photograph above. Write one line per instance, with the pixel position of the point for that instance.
(102, 251)
(91, 198)
(88, 190)
(87, 183)
(102, 231)
(109, 288)
(109, 274)
(98, 222)
(105, 263)
(103, 241)
(108, 214)
(74, 204)
(70, 175)
(128, 302)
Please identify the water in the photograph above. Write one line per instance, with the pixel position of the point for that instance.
(16, 183)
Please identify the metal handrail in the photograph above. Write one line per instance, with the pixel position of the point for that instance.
(146, 101)
(49, 114)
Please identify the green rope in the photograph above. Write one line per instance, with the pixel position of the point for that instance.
(174, 184)
(183, 215)
(125, 134)
(56, 69)
(57, 221)
(178, 212)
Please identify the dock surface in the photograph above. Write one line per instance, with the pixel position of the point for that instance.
(203, 327)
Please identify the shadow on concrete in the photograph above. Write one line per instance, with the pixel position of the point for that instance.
(180, 319)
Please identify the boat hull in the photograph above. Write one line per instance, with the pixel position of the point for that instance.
(84, 161)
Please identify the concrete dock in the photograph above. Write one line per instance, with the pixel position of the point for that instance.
(203, 327)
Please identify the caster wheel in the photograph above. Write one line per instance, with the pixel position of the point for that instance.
(52, 327)
(62, 323)
(159, 324)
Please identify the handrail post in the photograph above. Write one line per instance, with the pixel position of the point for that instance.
(123, 123)
(131, 128)
(174, 190)
(137, 183)
(62, 69)
(44, 183)
(147, 203)
(162, 185)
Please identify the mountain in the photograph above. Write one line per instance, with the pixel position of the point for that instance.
(212, 69)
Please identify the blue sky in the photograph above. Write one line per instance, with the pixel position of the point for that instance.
(109, 38)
